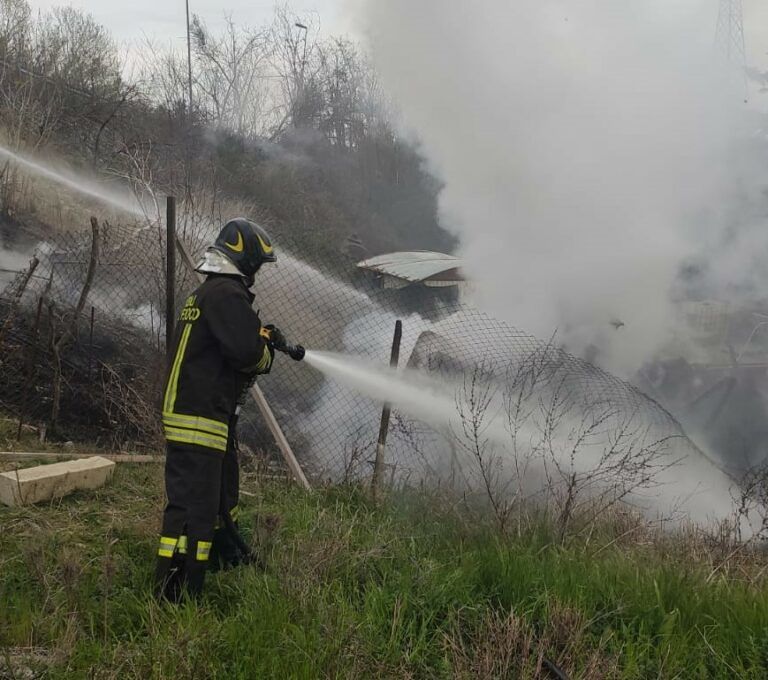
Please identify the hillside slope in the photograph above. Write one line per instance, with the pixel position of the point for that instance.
(410, 588)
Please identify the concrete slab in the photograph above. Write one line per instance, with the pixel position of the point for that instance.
(45, 482)
(63, 455)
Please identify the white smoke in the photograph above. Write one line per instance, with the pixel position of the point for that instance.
(12, 263)
(588, 149)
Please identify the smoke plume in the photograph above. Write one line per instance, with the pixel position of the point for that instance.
(589, 149)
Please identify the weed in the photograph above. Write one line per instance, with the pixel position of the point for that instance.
(408, 587)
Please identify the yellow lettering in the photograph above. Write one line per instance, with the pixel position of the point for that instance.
(190, 314)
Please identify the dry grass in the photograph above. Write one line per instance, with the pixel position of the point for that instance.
(355, 588)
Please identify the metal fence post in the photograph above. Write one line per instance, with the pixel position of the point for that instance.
(90, 343)
(170, 273)
(378, 465)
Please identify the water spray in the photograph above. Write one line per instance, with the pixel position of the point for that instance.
(420, 397)
(77, 183)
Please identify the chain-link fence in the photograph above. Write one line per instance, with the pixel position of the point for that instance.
(334, 429)
(82, 336)
(87, 357)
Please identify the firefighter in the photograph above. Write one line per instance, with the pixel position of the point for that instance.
(219, 348)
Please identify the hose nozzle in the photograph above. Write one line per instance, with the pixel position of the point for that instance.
(278, 342)
(296, 352)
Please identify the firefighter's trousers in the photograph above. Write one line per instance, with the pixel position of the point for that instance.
(202, 487)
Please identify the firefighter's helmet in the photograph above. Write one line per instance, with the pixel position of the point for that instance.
(246, 245)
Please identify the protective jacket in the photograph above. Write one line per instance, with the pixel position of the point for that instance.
(217, 350)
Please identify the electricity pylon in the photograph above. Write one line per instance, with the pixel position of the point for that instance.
(729, 37)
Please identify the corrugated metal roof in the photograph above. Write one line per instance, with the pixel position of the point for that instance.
(414, 265)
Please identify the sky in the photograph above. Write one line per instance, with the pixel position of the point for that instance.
(756, 32)
(163, 20)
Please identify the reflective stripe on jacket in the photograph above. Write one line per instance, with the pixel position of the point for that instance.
(216, 352)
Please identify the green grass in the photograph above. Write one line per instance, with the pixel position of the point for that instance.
(405, 588)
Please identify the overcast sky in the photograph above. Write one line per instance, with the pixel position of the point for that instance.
(131, 21)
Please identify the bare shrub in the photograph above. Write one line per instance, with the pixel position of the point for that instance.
(474, 404)
(356, 456)
(751, 505)
(596, 460)
(64, 327)
(130, 412)
(576, 456)
(733, 544)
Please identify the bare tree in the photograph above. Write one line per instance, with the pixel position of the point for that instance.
(28, 114)
(297, 65)
(75, 49)
(163, 74)
(231, 76)
(15, 29)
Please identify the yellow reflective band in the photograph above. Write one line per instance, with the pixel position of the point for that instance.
(196, 423)
(203, 550)
(174, 434)
(173, 378)
(266, 360)
(234, 513)
(167, 546)
(182, 547)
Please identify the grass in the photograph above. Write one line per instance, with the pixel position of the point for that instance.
(407, 588)
(30, 440)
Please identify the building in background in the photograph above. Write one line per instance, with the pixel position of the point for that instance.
(417, 280)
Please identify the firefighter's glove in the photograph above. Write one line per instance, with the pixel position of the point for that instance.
(275, 338)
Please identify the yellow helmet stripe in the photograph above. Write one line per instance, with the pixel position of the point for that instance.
(238, 246)
(264, 245)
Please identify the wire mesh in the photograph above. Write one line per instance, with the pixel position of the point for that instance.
(335, 307)
(90, 377)
(112, 364)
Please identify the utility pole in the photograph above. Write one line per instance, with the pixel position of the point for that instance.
(190, 122)
(189, 62)
(300, 93)
(170, 273)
